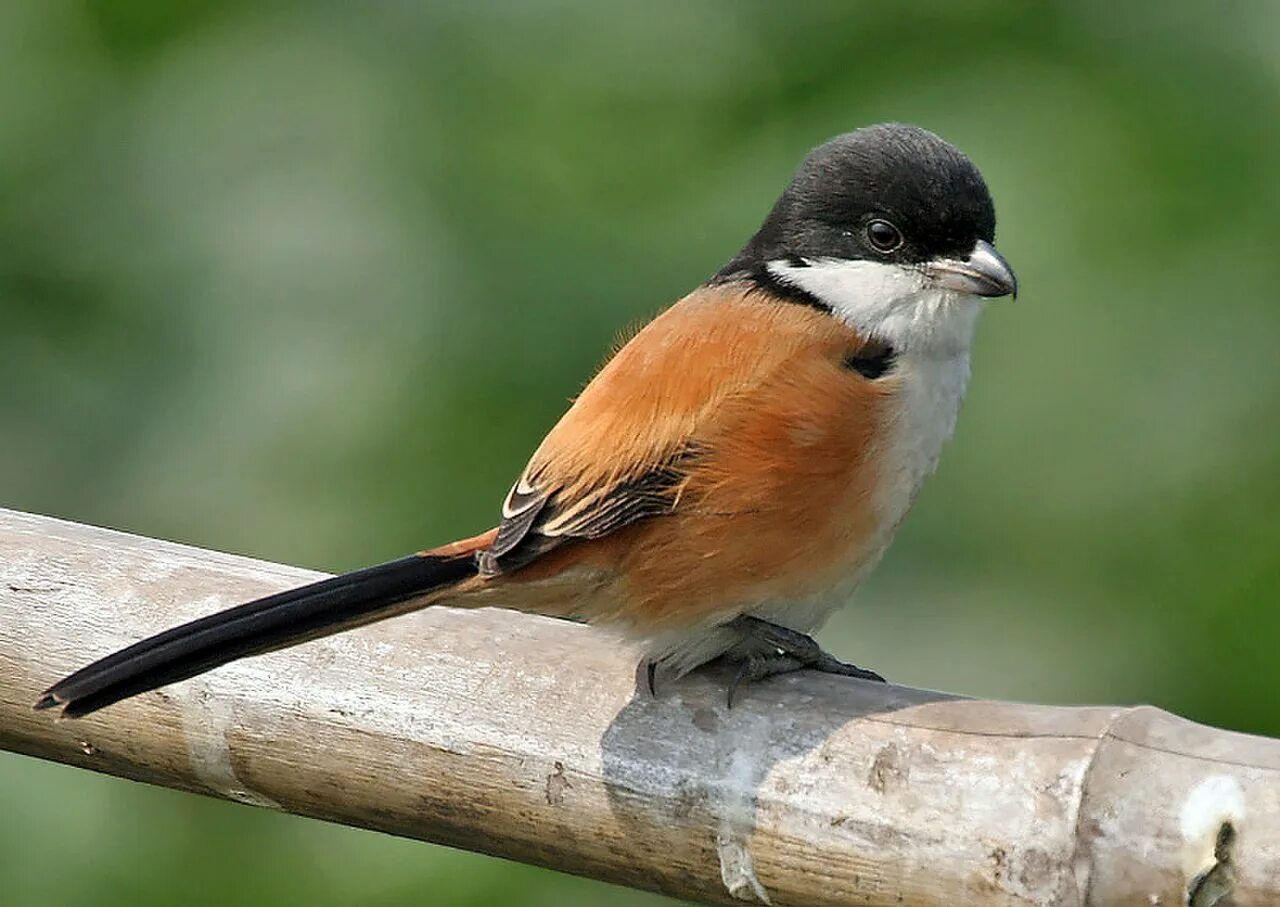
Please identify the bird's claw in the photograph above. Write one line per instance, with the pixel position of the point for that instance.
(768, 649)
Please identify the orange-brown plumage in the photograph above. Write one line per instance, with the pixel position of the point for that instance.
(771, 505)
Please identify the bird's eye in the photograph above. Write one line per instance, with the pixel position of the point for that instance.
(884, 236)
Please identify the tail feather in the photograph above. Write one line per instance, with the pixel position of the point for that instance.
(273, 622)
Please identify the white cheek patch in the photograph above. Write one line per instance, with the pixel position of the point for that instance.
(892, 302)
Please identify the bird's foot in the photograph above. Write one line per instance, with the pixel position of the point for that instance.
(767, 649)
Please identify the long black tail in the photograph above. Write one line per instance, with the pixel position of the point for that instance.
(274, 622)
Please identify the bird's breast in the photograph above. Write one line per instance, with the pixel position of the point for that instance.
(918, 419)
(917, 416)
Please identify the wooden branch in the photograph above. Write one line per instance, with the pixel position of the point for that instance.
(526, 737)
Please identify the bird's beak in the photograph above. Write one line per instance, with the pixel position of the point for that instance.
(983, 273)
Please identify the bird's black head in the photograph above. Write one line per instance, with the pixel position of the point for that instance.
(890, 194)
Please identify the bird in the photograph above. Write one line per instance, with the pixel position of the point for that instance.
(732, 473)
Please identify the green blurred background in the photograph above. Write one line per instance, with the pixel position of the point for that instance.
(308, 280)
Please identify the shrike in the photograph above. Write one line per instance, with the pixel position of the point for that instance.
(735, 470)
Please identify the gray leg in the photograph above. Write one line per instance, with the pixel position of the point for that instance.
(768, 649)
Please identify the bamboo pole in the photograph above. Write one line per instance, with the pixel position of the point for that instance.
(529, 738)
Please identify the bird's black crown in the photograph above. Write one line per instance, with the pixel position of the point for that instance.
(891, 193)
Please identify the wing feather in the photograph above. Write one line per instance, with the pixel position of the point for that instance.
(545, 518)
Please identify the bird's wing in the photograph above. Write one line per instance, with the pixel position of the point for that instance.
(627, 447)
(540, 512)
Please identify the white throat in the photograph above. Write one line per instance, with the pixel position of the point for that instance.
(897, 304)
